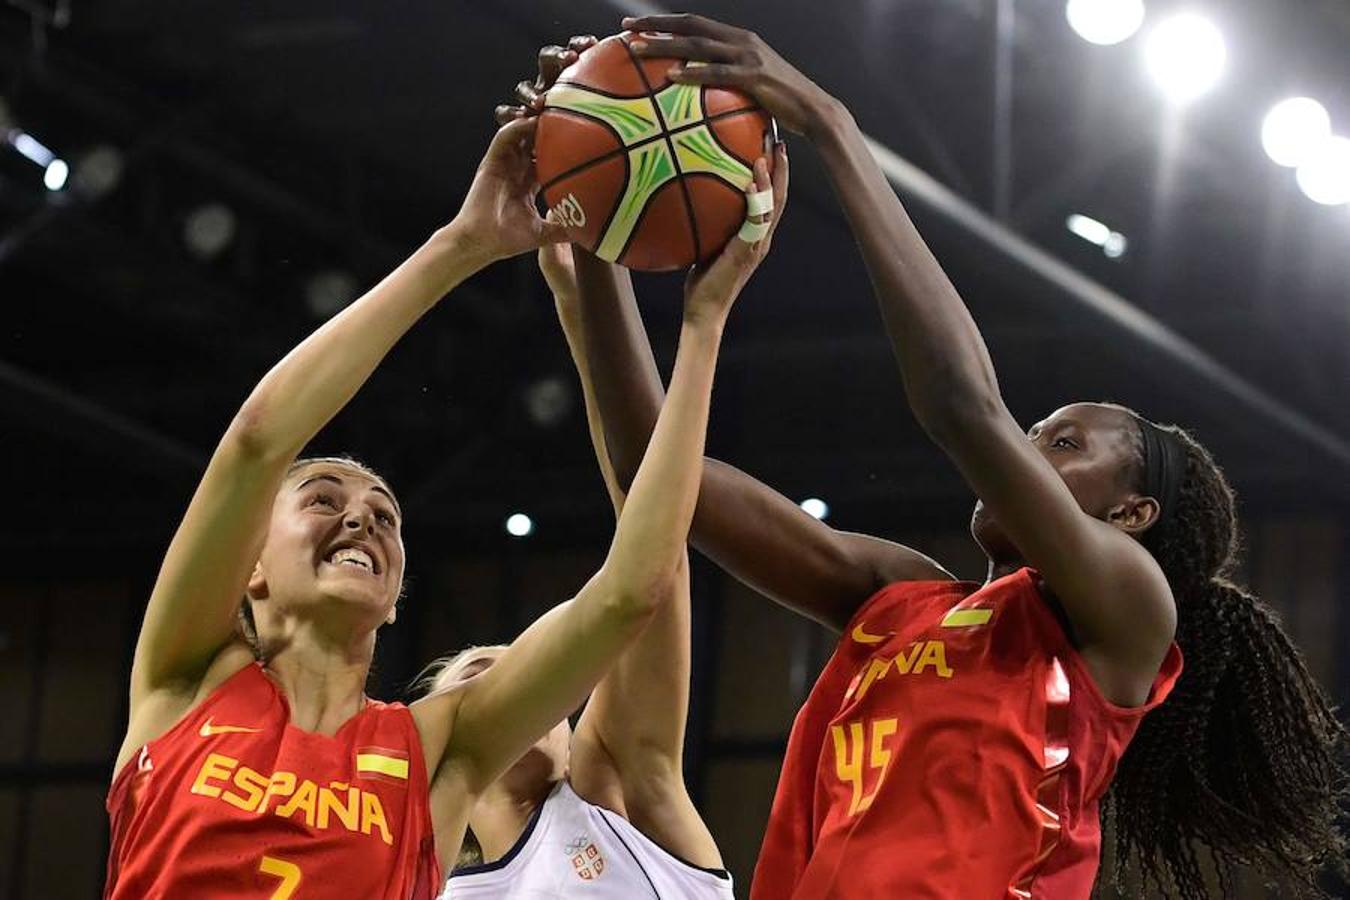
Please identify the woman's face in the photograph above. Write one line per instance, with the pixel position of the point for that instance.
(334, 543)
(1092, 447)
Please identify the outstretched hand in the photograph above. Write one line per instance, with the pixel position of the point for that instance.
(529, 95)
(732, 57)
(712, 288)
(499, 215)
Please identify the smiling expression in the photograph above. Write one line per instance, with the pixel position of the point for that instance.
(334, 541)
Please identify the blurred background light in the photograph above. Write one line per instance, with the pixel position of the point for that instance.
(98, 171)
(548, 401)
(208, 230)
(519, 525)
(56, 174)
(330, 291)
(1088, 228)
(31, 147)
(1293, 129)
(1186, 56)
(1324, 175)
(816, 507)
(1105, 21)
(1113, 243)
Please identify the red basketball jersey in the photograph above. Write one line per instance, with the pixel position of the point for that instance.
(236, 802)
(954, 748)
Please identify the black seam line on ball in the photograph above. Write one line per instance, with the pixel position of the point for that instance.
(640, 144)
(674, 157)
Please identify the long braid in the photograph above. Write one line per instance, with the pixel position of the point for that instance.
(1244, 759)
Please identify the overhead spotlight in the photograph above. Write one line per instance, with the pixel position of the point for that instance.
(1294, 128)
(1105, 22)
(1324, 176)
(519, 525)
(208, 230)
(30, 147)
(56, 174)
(98, 172)
(1088, 228)
(1113, 243)
(815, 507)
(330, 291)
(548, 401)
(1186, 56)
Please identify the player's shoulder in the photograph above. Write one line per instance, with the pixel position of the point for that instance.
(165, 708)
(434, 718)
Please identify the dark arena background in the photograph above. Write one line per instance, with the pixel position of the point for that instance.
(188, 188)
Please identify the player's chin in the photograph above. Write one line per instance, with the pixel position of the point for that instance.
(361, 591)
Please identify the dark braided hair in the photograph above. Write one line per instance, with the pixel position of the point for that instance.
(1245, 757)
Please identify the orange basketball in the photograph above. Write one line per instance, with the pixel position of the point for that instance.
(643, 171)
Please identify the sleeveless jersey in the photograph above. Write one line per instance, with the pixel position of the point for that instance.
(572, 848)
(235, 802)
(954, 748)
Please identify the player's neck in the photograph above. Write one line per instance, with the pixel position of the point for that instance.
(499, 817)
(324, 680)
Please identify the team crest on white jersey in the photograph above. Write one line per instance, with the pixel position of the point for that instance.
(587, 862)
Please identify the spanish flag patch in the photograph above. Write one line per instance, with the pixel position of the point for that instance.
(965, 618)
(381, 762)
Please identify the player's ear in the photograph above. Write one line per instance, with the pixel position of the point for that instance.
(257, 583)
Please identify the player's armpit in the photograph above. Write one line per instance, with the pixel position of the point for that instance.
(772, 545)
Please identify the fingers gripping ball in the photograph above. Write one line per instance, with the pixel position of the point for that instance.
(642, 171)
(758, 216)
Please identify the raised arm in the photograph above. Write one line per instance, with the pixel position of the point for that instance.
(628, 747)
(546, 673)
(749, 529)
(191, 616)
(1114, 593)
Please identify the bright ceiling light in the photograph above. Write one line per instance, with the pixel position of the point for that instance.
(1324, 175)
(31, 147)
(1105, 21)
(815, 507)
(1089, 229)
(1293, 128)
(1113, 243)
(1185, 55)
(56, 174)
(519, 525)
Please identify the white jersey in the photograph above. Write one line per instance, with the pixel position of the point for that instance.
(573, 849)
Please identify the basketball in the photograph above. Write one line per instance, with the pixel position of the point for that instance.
(642, 171)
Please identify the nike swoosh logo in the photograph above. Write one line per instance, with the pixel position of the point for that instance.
(861, 636)
(209, 730)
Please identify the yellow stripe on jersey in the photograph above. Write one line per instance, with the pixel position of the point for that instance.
(383, 765)
(964, 618)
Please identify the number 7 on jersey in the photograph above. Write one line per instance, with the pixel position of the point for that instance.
(289, 873)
